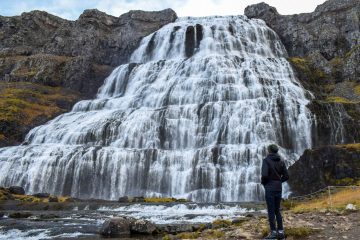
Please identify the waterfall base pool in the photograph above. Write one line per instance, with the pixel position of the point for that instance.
(84, 220)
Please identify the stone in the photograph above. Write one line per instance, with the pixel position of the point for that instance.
(116, 227)
(350, 206)
(48, 216)
(53, 199)
(141, 226)
(17, 190)
(20, 215)
(325, 166)
(41, 195)
(138, 199)
(175, 228)
(124, 199)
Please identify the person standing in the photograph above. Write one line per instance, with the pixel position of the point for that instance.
(273, 174)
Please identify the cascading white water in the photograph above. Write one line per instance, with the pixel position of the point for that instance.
(190, 117)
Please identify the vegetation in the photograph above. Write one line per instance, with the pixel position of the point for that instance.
(221, 223)
(338, 200)
(336, 99)
(295, 232)
(351, 147)
(25, 104)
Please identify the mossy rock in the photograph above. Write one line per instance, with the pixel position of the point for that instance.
(221, 223)
(20, 215)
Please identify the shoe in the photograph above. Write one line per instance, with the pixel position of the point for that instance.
(281, 235)
(273, 235)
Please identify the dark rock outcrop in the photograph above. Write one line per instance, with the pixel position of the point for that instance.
(41, 195)
(116, 227)
(17, 190)
(64, 61)
(20, 215)
(321, 167)
(142, 226)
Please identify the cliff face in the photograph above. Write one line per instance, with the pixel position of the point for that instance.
(324, 49)
(321, 167)
(48, 63)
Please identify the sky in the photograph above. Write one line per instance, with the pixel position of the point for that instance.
(71, 9)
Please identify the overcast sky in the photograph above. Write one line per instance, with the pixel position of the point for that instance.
(71, 9)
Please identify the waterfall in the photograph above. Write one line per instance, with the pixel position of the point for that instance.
(190, 116)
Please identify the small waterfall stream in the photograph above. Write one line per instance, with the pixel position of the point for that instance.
(189, 117)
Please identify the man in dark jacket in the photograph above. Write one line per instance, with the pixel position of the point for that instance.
(273, 174)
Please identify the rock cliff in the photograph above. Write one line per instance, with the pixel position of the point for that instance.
(321, 167)
(324, 49)
(48, 63)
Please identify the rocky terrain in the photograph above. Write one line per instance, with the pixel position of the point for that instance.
(48, 63)
(324, 49)
(325, 166)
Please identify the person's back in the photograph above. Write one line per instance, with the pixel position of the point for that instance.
(273, 174)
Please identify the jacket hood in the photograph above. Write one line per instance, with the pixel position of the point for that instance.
(274, 157)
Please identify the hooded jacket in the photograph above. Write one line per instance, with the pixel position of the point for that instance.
(273, 172)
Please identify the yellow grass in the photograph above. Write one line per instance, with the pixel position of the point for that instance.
(336, 99)
(357, 89)
(338, 200)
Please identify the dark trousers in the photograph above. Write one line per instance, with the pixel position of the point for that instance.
(273, 199)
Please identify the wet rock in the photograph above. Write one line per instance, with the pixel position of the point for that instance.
(116, 227)
(1, 215)
(48, 216)
(141, 226)
(20, 215)
(176, 228)
(138, 199)
(41, 195)
(53, 199)
(124, 199)
(325, 166)
(17, 190)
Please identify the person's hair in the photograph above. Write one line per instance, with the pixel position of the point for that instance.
(273, 148)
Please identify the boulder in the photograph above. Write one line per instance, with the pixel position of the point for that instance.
(53, 199)
(141, 226)
(20, 215)
(138, 199)
(117, 227)
(17, 190)
(124, 199)
(41, 195)
(325, 166)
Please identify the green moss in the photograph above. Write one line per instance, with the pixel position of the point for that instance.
(213, 234)
(221, 223)
(357, 89)
(159, 200)
(166, 237)
(345, 181)
(23, 104)
(348, 54)
(188, 235)
(337, 99)
(295, 232)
